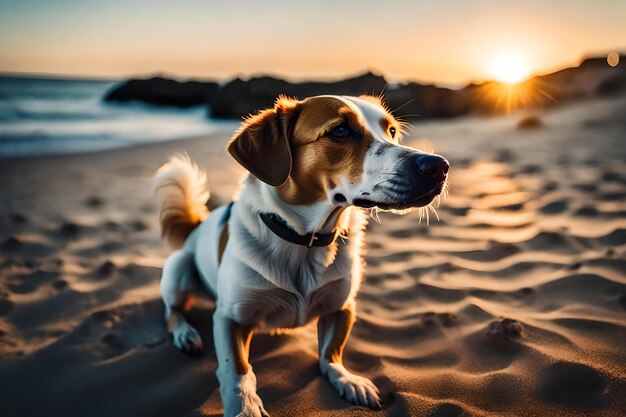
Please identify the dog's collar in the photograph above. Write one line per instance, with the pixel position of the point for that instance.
(281, 228)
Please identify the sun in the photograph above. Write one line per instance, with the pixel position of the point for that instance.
(509, 68)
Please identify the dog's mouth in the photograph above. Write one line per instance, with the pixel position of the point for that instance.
(411, 202)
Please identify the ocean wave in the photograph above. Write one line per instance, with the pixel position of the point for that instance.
(38, 137)
(22, 115)
(59, 116)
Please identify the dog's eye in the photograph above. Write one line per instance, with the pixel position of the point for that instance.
(341, 132)
(392, 131)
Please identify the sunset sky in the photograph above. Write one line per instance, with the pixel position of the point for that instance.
(447, 42)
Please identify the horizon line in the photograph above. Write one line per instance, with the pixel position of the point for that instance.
(180, 78)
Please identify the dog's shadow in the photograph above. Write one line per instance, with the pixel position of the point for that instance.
(271, 356)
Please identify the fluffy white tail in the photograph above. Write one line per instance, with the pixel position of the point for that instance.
(181, 189)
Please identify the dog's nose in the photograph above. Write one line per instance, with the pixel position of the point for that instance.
(433, 166)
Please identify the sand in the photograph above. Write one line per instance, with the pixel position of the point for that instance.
(513, 303)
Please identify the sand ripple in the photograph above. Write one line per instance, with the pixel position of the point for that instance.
(513, 304)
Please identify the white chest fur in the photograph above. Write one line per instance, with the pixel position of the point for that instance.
(266, 281)
(289, 286)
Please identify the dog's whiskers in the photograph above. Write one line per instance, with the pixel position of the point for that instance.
(444, 191)
(431, 208)
(406, 126)
(374, 214)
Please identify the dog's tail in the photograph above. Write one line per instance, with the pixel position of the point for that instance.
(181, 189)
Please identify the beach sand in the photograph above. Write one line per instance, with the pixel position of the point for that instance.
(513, 303)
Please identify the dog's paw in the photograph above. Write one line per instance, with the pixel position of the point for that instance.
(239, 396)
(252, 406)
(353, 388)
(187, 339)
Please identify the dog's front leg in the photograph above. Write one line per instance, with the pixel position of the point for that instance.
(333, 331)
(237, 381)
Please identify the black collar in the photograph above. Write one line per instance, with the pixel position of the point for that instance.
(281, 228)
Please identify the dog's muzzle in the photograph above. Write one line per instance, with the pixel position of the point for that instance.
(421, 178)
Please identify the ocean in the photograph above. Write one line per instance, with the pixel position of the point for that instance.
(52, 116)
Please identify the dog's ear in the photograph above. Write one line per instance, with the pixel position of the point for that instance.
(262, 146)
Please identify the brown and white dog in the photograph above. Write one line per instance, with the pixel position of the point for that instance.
(272, 259)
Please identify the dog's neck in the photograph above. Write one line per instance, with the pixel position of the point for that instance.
(321, 216)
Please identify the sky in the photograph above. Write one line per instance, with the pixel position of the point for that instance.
(448, 42)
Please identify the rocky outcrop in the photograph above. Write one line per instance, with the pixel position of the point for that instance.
(414, 101)
(164, 92)
(240, 98)
(613, 86)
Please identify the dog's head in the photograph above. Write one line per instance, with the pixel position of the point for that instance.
(342, 149)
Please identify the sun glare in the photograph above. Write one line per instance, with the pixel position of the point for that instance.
(509, 68)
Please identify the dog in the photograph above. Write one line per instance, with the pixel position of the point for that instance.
(289, 250)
